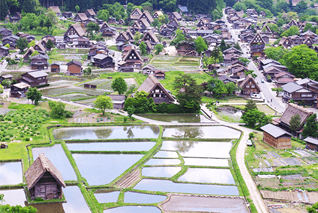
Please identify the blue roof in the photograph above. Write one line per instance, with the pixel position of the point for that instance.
(183, 9)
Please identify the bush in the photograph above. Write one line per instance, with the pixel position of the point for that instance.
(162, 108)
(173, 108)
(27, 139)
(38, 199)
(69, 114)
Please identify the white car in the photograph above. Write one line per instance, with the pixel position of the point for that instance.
(249, 143)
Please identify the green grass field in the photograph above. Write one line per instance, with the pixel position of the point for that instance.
(175, 63)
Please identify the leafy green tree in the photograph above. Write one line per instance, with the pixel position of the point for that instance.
(119, 85)
(250, 72)
(77, 8)
(189, 93)
(28, 6)
(253, 117)
(302, 62)
(48, 23)
(92, 27)
(7, 46)
(273, 27)
(278, 90)
(22, 43)
(6, 83)
(1, 89)
(4, 9)
(280, 22)
(230, 87)
(57, 109)
(143, 47)
(295, 122)
(275, 53)
(239, 6)
(35, 52)
(223, 45)
(34, 95)
(237, 46)
(163, 19)
(200, 45)
(103, 15)
(179, 37)
(244, 60)
(250, 106)
(216, 87)
(301, 7)
(103, 102)
(137, 36)
(130, 111)
(155, 23)
(31, 44)
(49, 45)
(158, 48)
(293, 30)
(311, 127)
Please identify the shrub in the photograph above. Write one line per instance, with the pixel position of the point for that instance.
(162, 108)
(27, 139)
(173, 108)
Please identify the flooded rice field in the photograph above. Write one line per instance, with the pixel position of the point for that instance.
(111, 146)
(201, 132)
(199, 149)
(13, 197)
(101, 169)
(133, 197)
(75, 200)
(57, 156)
(169, 186)
(205, 175)
(111, 132)
(157, 162)
(108, 197)
(206, 162)
(182, 118)
(166, 154)
(11, 173)
(160, 171)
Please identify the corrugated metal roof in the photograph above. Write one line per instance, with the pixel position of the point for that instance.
(274, 130)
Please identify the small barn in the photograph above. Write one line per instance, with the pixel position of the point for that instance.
(276, 137)
(44, 180)
(311, 143)
(55, 67)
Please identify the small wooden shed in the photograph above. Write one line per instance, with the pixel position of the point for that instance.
(276, 137)
(44, 180)
(311, 143)
(55, 67)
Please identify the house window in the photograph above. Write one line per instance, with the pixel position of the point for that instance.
(306, 95)
(247, 86)
(157, 90)
(157, 95)
(253, 86)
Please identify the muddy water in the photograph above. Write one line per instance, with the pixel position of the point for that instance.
(132, 197)
(153, 162)
(204, 175)
(199, 149)
(201, 132)
(175, 118)
(134, 209)
(169, 186)
(160, 171)
(57, 156)
(10, 173)
(112, 132)
(100, 169)
(108, 197)
(111, 146)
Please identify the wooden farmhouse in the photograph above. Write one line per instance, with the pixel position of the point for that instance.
(186, 49)
(81, 17)
(295, 92)
(74, 30)
(19, 90)
(55, 67)
(155, 90)
(311, 143)
(74, 68)
(39, 62)
(157, 14)
(5, 32)
(276, 137)
(146, 15)
(133, 58)
(34, 78)
(150, 36)
(4, 51)
(56, 10)
(249, 86)
(257, 45)
(44, 180)
(175, 15)
(90, 13)
(135, 15)
(103, 61)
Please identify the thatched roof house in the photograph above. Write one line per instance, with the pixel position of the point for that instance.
(44, 180)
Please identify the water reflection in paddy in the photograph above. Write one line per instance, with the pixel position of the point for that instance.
(201, 132)
(160, 171)
(100, 169)
(206, 162)
(108, 197)
(153, 162)
(166, 154)
(133, 209)
(132, 197)
(13, 197)
(199, 149)
(111, 132)
(111, 146)
(178, 118)
(169, 186)
(10, 173)
(75, 201)
(204, 175)
(57, 156)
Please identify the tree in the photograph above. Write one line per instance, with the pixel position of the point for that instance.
(7, 46)
(275, 53)
(244, 60)
(200, 45)
(137, 36)
(216, 87)
(230, 87)
(295, 122)
(57, 109)
(130, 110)
(158, 48)
(119, 85)
(35, 52)
(6, 83)
(31, 44)
(223, 45)
(302, 62)
(155, 23)
(301, 7)
(22, 43)
(273, 27)
(87, 71)
(103, 102)
(293, 30)
(17, 209)
(239, 6)
(237, 46)
(34, 95)
(92, 27)
(4, 9)
(250, 72)
(49, 45)
(250, 106)
(1, 89)
(48, 23)
(278, 90)
(179, 37)
(77, 8)
(143, 47)
(189, 93)
(311, 127)
(103, 15)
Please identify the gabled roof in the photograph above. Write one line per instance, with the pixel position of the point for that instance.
(147, 15)
(39, 167)
(40, 57)
(124, 35)
(37, 74)
(74, 62)
(274, 131)
(151, 35)
(292, 110)
(82, 16)
(159, 13)
(21, 85)
(311, 140)
(135, 14)
(232, 49)
(78, 29)
(133, 52)
(150, 83)
(137, 25)
(293, 22)
(284, 73)
(183, 9)
(91, 12)
(266, 29)
(144, 22)
(104, 25)
(177, 15)
(291, 87)
(249, 77)
(257, 39)
(309, 33)
(39, 44)
(55, 9)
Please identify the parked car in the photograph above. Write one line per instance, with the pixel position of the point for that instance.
(262, 81)
(249, 143)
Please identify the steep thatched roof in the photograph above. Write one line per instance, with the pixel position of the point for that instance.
(55, 9)
(41, 165)
(249, 77)
(292, 110)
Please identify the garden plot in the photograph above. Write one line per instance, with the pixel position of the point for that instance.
(176, 63)
(107, 84)
(96, 82)
(74, 96)
(61, 83)
(87, 101)
(60, 91)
